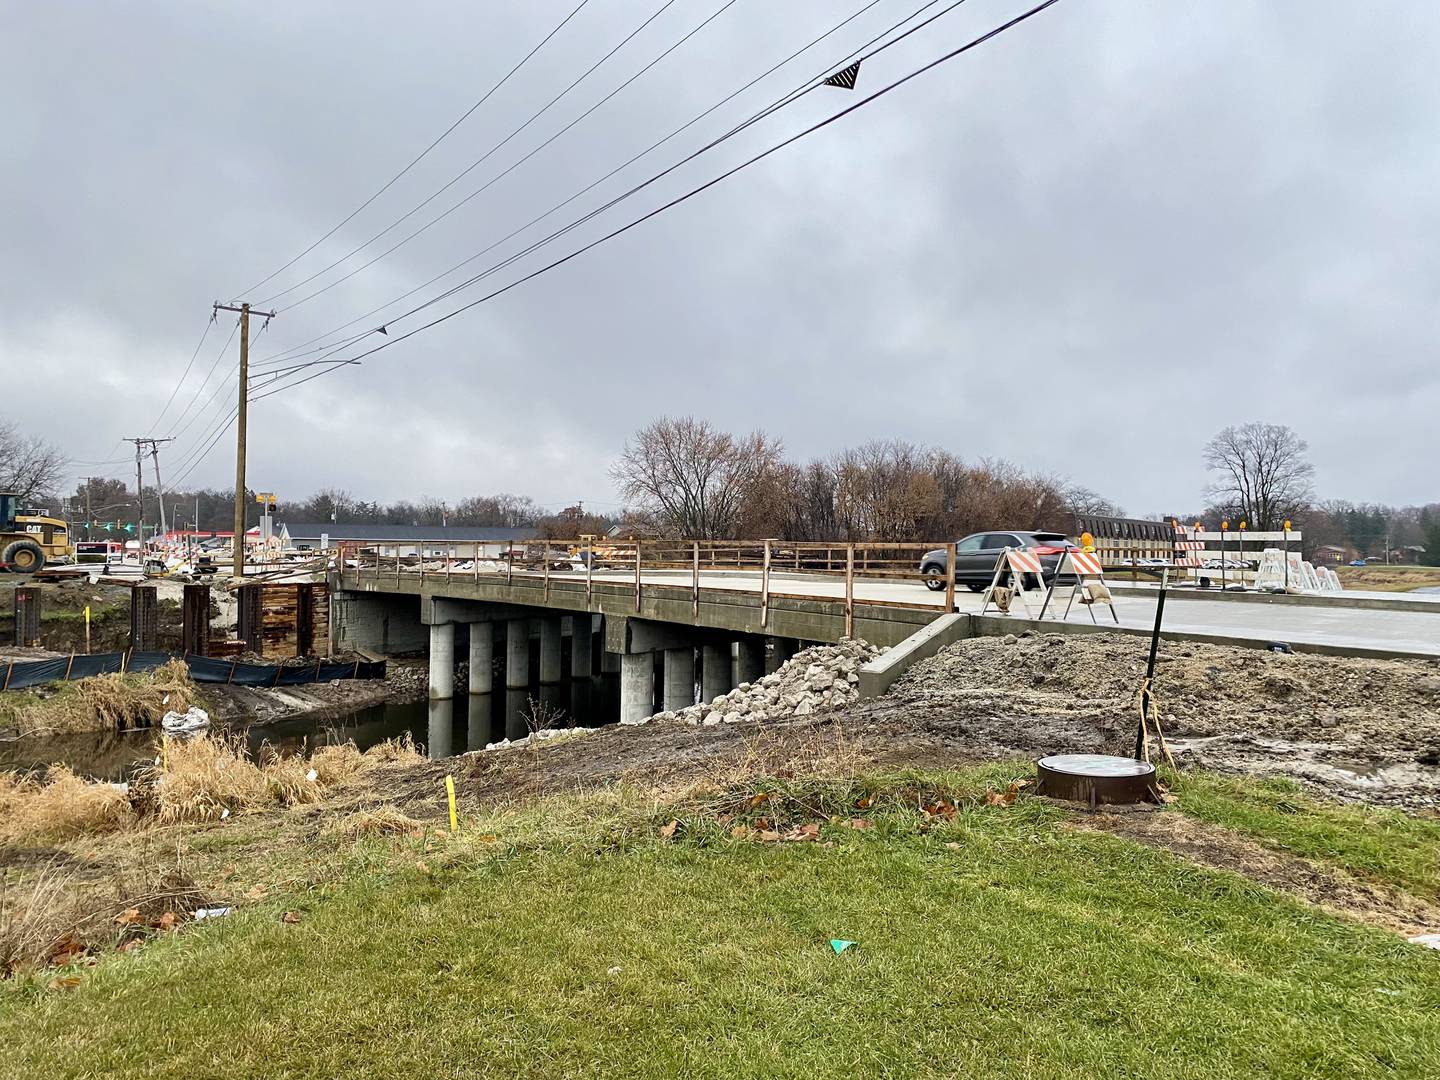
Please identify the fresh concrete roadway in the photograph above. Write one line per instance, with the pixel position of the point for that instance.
(1336, 626)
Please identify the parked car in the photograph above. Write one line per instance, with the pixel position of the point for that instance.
(976, 555)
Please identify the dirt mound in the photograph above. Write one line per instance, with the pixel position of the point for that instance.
(1364, 729)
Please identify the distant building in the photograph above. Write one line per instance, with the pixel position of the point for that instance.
(1327, 554)
(463, 541)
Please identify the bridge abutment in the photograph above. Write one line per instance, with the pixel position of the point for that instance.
(384, 623)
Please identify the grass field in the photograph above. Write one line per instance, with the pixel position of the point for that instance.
(1380, 578)
(570, 937)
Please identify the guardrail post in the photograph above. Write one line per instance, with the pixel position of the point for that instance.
(589, 574)
(765, 587)
(420, 548)
(849, 590)
(695, 574)
(397, 564)
(545, 558)
(949, 578)
(449, 560)
(637, 575)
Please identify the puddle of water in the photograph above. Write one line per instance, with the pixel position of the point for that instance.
(442, 728)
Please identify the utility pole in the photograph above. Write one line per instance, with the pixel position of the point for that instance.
(238, 567)
(159, 488)
(154, 445)
(89, 521)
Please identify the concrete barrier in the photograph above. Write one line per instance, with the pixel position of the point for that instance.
(879, 674)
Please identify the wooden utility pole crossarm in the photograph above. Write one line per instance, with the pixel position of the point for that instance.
(238, 564)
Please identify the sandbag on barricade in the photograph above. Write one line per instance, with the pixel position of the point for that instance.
(23, 674)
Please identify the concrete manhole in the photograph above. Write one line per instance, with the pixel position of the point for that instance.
(1097, 779)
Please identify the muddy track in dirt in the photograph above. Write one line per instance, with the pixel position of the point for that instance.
(1220, 849)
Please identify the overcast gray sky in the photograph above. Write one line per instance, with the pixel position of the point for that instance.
(1085, 246)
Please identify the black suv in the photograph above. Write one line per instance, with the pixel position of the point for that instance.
(976, 555)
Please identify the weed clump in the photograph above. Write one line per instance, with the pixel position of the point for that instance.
(59, 807)
(202, 779)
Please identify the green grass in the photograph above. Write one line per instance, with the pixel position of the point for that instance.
(578, 943)
(1373, 844)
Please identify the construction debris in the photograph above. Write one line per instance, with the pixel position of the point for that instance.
(821, 677)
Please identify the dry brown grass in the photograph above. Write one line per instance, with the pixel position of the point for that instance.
(54, 917)
(202, 779)
(398, 751)
(379, 821)
(59, 807)
(101, 703)
(131, 701)
(287, 779)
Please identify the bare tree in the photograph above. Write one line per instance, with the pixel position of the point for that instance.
(1081, 500)
(1262, 473)
(29, 466)
(690, 479)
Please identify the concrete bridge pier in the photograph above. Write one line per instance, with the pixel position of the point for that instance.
(716, 672)
(637, 686)
(442, 661)
(440, 731)
(516, 703)
(749, 660)
(609, 663)
(478, 723)
(679, 678)
(517, 654)
(582, 645)
(549, 650)
(482, 658)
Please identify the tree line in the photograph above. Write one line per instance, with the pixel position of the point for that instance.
(685, 477)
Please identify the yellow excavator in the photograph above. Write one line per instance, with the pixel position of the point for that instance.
(28, 541)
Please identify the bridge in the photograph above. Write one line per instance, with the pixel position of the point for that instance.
(740, 608)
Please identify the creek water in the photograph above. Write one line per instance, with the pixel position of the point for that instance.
(442, 728)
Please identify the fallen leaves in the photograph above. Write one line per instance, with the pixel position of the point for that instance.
(668, 831)
(128, 917)
(67, 949)
(941, 808)
(1006, 797)
(861, 823)
(64, 982)
(290, 917)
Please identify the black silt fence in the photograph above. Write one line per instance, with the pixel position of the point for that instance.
(20, 675)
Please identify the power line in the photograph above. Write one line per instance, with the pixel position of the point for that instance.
(186, 373)
(416, 160)
(533, 117)
(296, 351)
(689, 194)
(804, 87)
(204, 383)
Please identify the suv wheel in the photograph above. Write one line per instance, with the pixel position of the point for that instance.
(934, 577)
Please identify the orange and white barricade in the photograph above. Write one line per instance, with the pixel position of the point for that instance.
(1089, 583)
(1019, 563)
